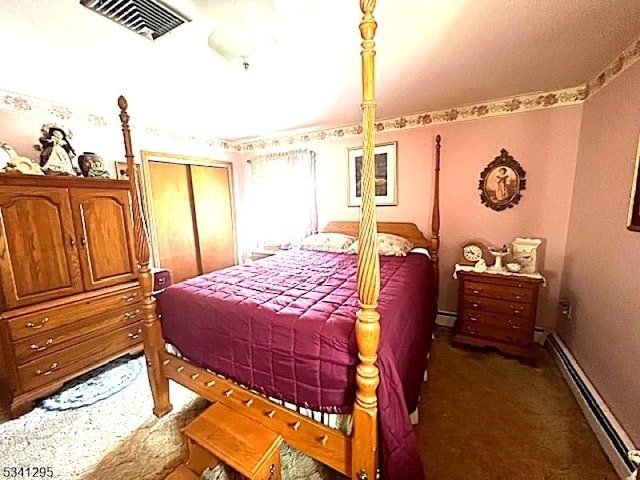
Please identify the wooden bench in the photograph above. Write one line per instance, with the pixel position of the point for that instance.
(220, 434)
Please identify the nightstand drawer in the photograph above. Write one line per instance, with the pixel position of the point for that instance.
(500, 334)
(504, 307)
(496, 320)
(517, 291)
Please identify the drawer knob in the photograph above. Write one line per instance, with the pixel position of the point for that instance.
(128, 315)
(47, 372)
(513, 324)
(476, 304)
(44, 347)
(472, 318)
(516, 310)
(133, 336)
(471, 330)
(130, 298)
(517, 296)
(476, 290)
(36, 326)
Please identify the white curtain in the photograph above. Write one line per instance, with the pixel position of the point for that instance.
(282, 197)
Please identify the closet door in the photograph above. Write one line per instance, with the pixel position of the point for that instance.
(175, 235)
(214, 216)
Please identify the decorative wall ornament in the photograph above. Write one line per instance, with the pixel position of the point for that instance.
(501, 182)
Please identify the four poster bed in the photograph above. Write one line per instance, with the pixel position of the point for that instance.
(304, 327)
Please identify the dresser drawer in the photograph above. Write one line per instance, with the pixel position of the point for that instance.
(496, 333)
(45, 343)
(68, 362)
(516, 291)
(497, 320)
(31, 324)
(503, 307)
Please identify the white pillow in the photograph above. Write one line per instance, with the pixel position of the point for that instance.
(327, 242)
(388, 245)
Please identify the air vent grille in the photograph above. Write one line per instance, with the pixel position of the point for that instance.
(149, 18)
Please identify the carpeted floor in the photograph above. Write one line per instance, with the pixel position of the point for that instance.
(482, 417)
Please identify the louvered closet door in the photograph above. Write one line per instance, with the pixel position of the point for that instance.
(214, 216)
(173, 219)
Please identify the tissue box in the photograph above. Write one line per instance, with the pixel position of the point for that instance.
(161, 279)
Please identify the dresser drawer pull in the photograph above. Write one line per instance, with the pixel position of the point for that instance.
(513, 324)
(36, 326)
(516, 310)
(520, 285)
(476, 304)
(129, 315)
(130, 298)
(47, 372)
(476, 291)
(44, 347)
(470, 330)
(133, 336)
(473, 319)
(517, 296)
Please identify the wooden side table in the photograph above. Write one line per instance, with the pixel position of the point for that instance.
(259, 253)
(497, 311)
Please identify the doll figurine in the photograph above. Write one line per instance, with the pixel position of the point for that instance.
(56, 157)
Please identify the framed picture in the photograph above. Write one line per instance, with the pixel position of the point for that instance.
(122, 171)
(386, 163)
(633, 222)
(501, 182)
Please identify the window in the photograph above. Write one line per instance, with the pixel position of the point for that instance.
(282, 197)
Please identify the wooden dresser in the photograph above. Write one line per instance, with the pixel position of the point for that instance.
(69, 298)
(497, 311)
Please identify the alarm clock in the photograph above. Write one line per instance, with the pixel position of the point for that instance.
(472, 251)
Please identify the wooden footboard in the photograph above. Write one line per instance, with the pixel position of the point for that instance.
(325, 444)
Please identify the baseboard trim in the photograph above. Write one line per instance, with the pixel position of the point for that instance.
(612, 437)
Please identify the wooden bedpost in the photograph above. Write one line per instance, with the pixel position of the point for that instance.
(152, 333)
(364, 460)
(435, 219)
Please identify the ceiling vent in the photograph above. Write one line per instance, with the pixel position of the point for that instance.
(149, 18)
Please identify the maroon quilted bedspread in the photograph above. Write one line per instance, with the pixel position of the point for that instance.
(285, 326)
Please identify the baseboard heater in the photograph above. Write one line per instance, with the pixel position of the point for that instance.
(608, 431)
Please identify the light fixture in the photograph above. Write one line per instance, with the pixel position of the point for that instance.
(242, 41)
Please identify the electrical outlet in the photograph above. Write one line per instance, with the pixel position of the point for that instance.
(566, 307)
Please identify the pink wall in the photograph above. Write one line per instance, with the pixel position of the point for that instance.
(601, 268)
(545, 144)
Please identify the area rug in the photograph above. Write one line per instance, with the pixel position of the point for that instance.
(96, 385)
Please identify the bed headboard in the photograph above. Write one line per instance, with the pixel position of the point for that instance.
(407, 230)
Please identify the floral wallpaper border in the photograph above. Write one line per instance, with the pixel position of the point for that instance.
(505, 106)
(16, 102)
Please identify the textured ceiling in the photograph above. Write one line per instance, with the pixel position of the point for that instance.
(431, 54)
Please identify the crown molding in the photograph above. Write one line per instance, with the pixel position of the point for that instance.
(15, 102)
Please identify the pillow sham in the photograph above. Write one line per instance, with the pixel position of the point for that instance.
(327, 242)
(388, 245)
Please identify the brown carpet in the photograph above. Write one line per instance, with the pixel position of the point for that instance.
(484, 416)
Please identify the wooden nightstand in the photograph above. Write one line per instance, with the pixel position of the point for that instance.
(497, 311)
(258, 253)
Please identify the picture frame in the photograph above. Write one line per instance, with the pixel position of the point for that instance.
(501, 182)
(633, 220)
(386, 160)
(122, 171)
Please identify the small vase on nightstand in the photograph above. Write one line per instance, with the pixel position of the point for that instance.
(498, 253)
